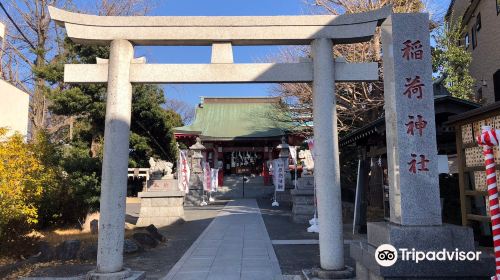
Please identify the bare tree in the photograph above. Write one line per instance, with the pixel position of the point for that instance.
(124, 7)
(186, 111)
(357, 103)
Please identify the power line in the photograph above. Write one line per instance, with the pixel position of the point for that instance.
(17, 27)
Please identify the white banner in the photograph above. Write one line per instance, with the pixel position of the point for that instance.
(273, 171)
(293, 154)
(207, 177)
(184, 171)
(310, 144)
(215, 179)
(279, 175)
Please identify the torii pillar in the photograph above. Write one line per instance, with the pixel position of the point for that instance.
(115, 162)
(327, 170)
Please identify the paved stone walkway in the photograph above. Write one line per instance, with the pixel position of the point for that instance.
(235, 245)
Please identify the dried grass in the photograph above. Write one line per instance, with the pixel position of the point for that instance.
(60, 235)
(55, 237)
(7, 260)
(27, 270)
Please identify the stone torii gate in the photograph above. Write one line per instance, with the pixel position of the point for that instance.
(122, 69)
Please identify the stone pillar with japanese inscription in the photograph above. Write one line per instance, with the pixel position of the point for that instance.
(415, 220)
(409, 116)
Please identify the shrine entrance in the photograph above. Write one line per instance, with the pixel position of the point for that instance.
(321, 32)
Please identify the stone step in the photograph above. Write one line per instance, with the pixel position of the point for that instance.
(303, 210)
(303, 200)
(301, 219)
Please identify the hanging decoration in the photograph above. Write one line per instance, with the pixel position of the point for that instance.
(244, 158)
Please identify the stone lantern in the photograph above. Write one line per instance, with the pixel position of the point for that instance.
(284, 154)
(197, 156)
(284, 150)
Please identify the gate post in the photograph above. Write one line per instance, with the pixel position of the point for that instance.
(115, 163)
(327, 170)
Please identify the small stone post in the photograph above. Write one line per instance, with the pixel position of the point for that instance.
(327, 172)
(115, 163)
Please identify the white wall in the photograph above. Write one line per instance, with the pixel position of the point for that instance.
(14, 106)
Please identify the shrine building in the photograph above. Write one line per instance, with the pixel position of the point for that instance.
(240, 134)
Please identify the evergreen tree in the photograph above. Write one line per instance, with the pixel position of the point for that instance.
(151, 124)
(450, 58)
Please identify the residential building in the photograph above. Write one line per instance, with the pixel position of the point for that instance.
(481, 36)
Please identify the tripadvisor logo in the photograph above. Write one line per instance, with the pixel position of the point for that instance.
(386, 255)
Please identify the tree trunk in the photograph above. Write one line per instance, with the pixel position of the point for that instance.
(95, 146)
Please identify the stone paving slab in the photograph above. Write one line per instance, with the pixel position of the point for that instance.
(236, 245)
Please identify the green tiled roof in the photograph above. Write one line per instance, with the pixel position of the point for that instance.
(235, 118)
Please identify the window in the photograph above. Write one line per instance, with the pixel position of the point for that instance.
(496, 85)
(466, 39)
(474, 37)
(478, 21)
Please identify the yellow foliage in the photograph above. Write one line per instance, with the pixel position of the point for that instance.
(22, 178)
